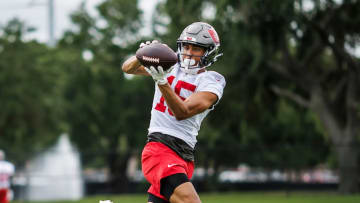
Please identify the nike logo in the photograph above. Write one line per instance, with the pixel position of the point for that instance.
(171, 165)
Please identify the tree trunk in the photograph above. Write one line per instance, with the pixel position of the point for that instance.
(348, 168)
(119, 181)
(344, 141)
(117, 162)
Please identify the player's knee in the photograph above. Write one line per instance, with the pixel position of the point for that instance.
(186, 194)
(190, 198)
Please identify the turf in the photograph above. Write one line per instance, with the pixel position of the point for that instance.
(254, 197)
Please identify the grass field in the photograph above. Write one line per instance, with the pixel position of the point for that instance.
(254, 197)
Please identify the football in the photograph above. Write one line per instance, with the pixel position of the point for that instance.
(156, 54)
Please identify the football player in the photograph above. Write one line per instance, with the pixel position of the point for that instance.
(184, 95)
(6, 171)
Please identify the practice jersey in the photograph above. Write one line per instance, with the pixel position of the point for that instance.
(6, 170)
(163, 120)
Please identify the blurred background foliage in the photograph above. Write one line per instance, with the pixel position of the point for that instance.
(292, 99)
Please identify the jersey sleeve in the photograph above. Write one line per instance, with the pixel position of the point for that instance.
(212, 82)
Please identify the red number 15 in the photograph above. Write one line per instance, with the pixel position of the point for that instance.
(179, 85)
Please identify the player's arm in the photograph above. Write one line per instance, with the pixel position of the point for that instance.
(194, 104)
(133, 66)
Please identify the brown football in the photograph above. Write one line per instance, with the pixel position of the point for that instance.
(157, 54)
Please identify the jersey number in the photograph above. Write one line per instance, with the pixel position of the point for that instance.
(179, 85)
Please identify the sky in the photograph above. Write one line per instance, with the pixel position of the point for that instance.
(35, 13)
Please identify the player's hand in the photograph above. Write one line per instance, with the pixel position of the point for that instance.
(158, 74)
(147, 43)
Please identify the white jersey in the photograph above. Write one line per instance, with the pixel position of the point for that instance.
(6, 170)
(162, 119)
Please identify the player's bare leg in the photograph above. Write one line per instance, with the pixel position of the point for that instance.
(185, 193)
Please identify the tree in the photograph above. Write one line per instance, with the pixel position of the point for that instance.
(330, 77)
(310, 50)
(106, 112)
(251, 121)
(31, 116)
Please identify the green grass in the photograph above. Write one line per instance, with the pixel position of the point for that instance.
(253, 197)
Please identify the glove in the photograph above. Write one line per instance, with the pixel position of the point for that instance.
(147, 43)
(158, 75)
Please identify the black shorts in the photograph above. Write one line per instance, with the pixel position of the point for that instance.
(168, 185)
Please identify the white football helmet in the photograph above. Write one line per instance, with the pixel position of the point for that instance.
(203, 35)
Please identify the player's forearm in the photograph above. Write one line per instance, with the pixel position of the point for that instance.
(133, 66)
(174, 102)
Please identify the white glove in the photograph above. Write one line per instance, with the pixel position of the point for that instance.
(158, 75)
(147, 43)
